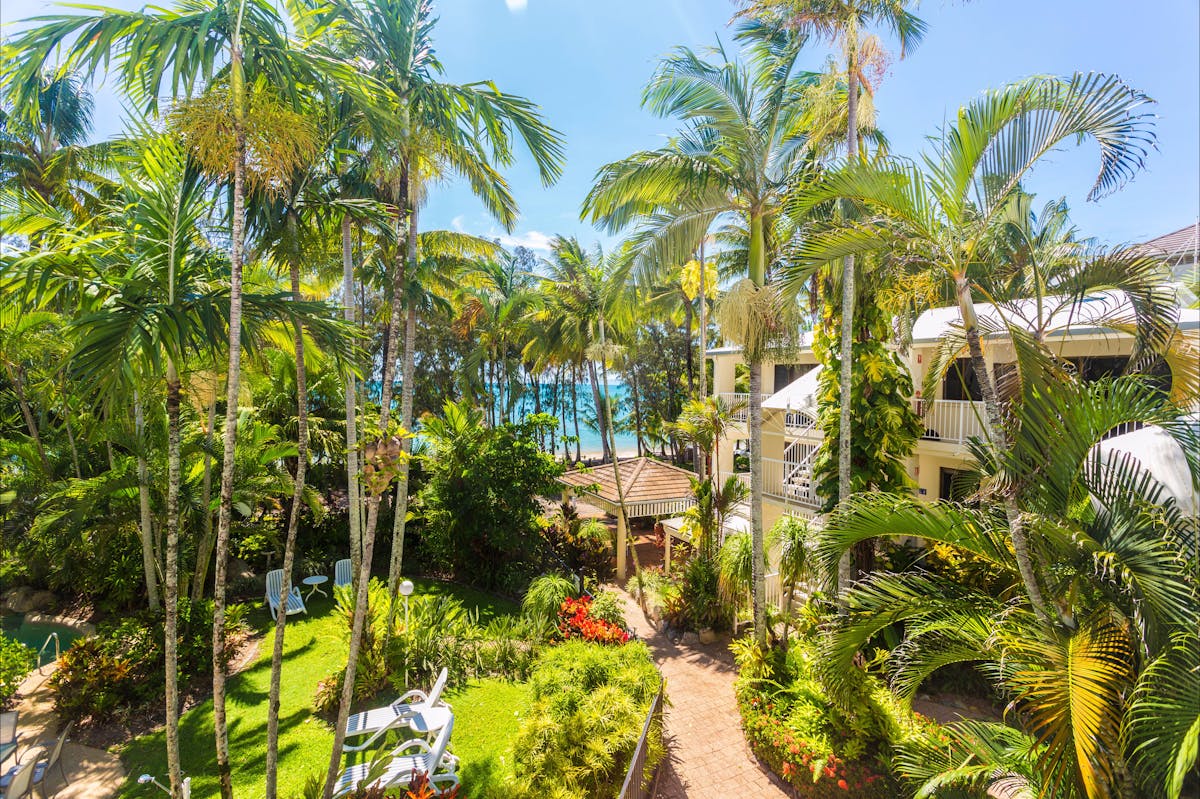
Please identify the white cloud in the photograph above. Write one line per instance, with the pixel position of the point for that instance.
(457, 223)
(533, 239)
(516, 6)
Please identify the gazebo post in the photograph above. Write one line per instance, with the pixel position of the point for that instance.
(621, 543)
(667, 551)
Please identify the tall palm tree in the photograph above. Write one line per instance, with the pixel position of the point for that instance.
(844, 23)
(46, 154)
(246, 44)
(1093, 712)
(941, 217)
(430, 127)
(742, 152)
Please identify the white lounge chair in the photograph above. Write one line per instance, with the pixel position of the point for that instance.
(379, 721)
(341, 573)
(17, 782)
(295, 602)
(409, 760)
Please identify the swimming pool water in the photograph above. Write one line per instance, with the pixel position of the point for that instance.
(34, 634)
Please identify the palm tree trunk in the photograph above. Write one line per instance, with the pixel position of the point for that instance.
(612, 443)
(691, 360)
(71, 441)
(575, 409)
(205, 547)
(353, 499)
(17, 378)
(637, 409)
(702, 467)
(758, 576)
(145, 526)
(846, 570)
(999, 438)
(363, 576)
(601, 413)
(171, 624)
(289, 547)
(407, 389)
(232, 387)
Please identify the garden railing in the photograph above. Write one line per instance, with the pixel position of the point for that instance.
(638, 785)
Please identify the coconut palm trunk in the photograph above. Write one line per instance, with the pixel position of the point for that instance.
(171, 584)
(353, 496)
(702, 466)
(289, 547)
(145, 520)
(846, 567)
(575, 410)
(612, 443)
(17, 378)
(233, 383)
(204, 549)
(406, 413)
(999, 439)
(758, 274)
(601, 414)
(363, 575)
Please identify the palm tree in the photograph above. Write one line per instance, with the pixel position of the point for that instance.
(1093, 712)
(940, 218)
(743, 151)
(844, 23)
(705, 422)
(429, 127)
(246, 44)
(45, 155)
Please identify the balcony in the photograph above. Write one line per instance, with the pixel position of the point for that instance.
(741, 402)
(950, 421)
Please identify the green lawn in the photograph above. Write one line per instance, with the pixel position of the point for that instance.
(487, 714)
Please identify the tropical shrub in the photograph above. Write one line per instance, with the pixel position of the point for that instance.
(585, 546)
(16, 660)
(608, 606)
(121, 668)
(819, 745)
(575, 620)
(481, 504)
(590, 703)
(703, 605)
(546, 594)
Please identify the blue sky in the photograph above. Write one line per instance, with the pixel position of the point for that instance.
(585, 63)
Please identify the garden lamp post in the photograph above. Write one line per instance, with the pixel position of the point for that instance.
(406, 589)
(146, 779)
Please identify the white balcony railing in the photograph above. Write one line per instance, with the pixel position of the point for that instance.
(789, 482)
(951, 421)
(739, 401)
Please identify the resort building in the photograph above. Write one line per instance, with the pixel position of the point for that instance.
(950, 415)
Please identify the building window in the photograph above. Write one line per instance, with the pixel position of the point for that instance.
(786, 373)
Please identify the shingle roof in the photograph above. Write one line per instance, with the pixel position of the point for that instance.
(642, 479)
(1181, 242)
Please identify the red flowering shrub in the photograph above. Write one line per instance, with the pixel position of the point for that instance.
(575, 620)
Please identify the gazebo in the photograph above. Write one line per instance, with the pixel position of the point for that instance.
(651, 488)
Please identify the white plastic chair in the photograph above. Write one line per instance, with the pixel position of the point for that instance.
(432, 761)
(295, 602)
(17, 782)
(341, 573)
(43, 769)
(379, 721)
(8, 734)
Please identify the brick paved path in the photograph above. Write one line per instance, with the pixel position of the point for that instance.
(707, 755)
